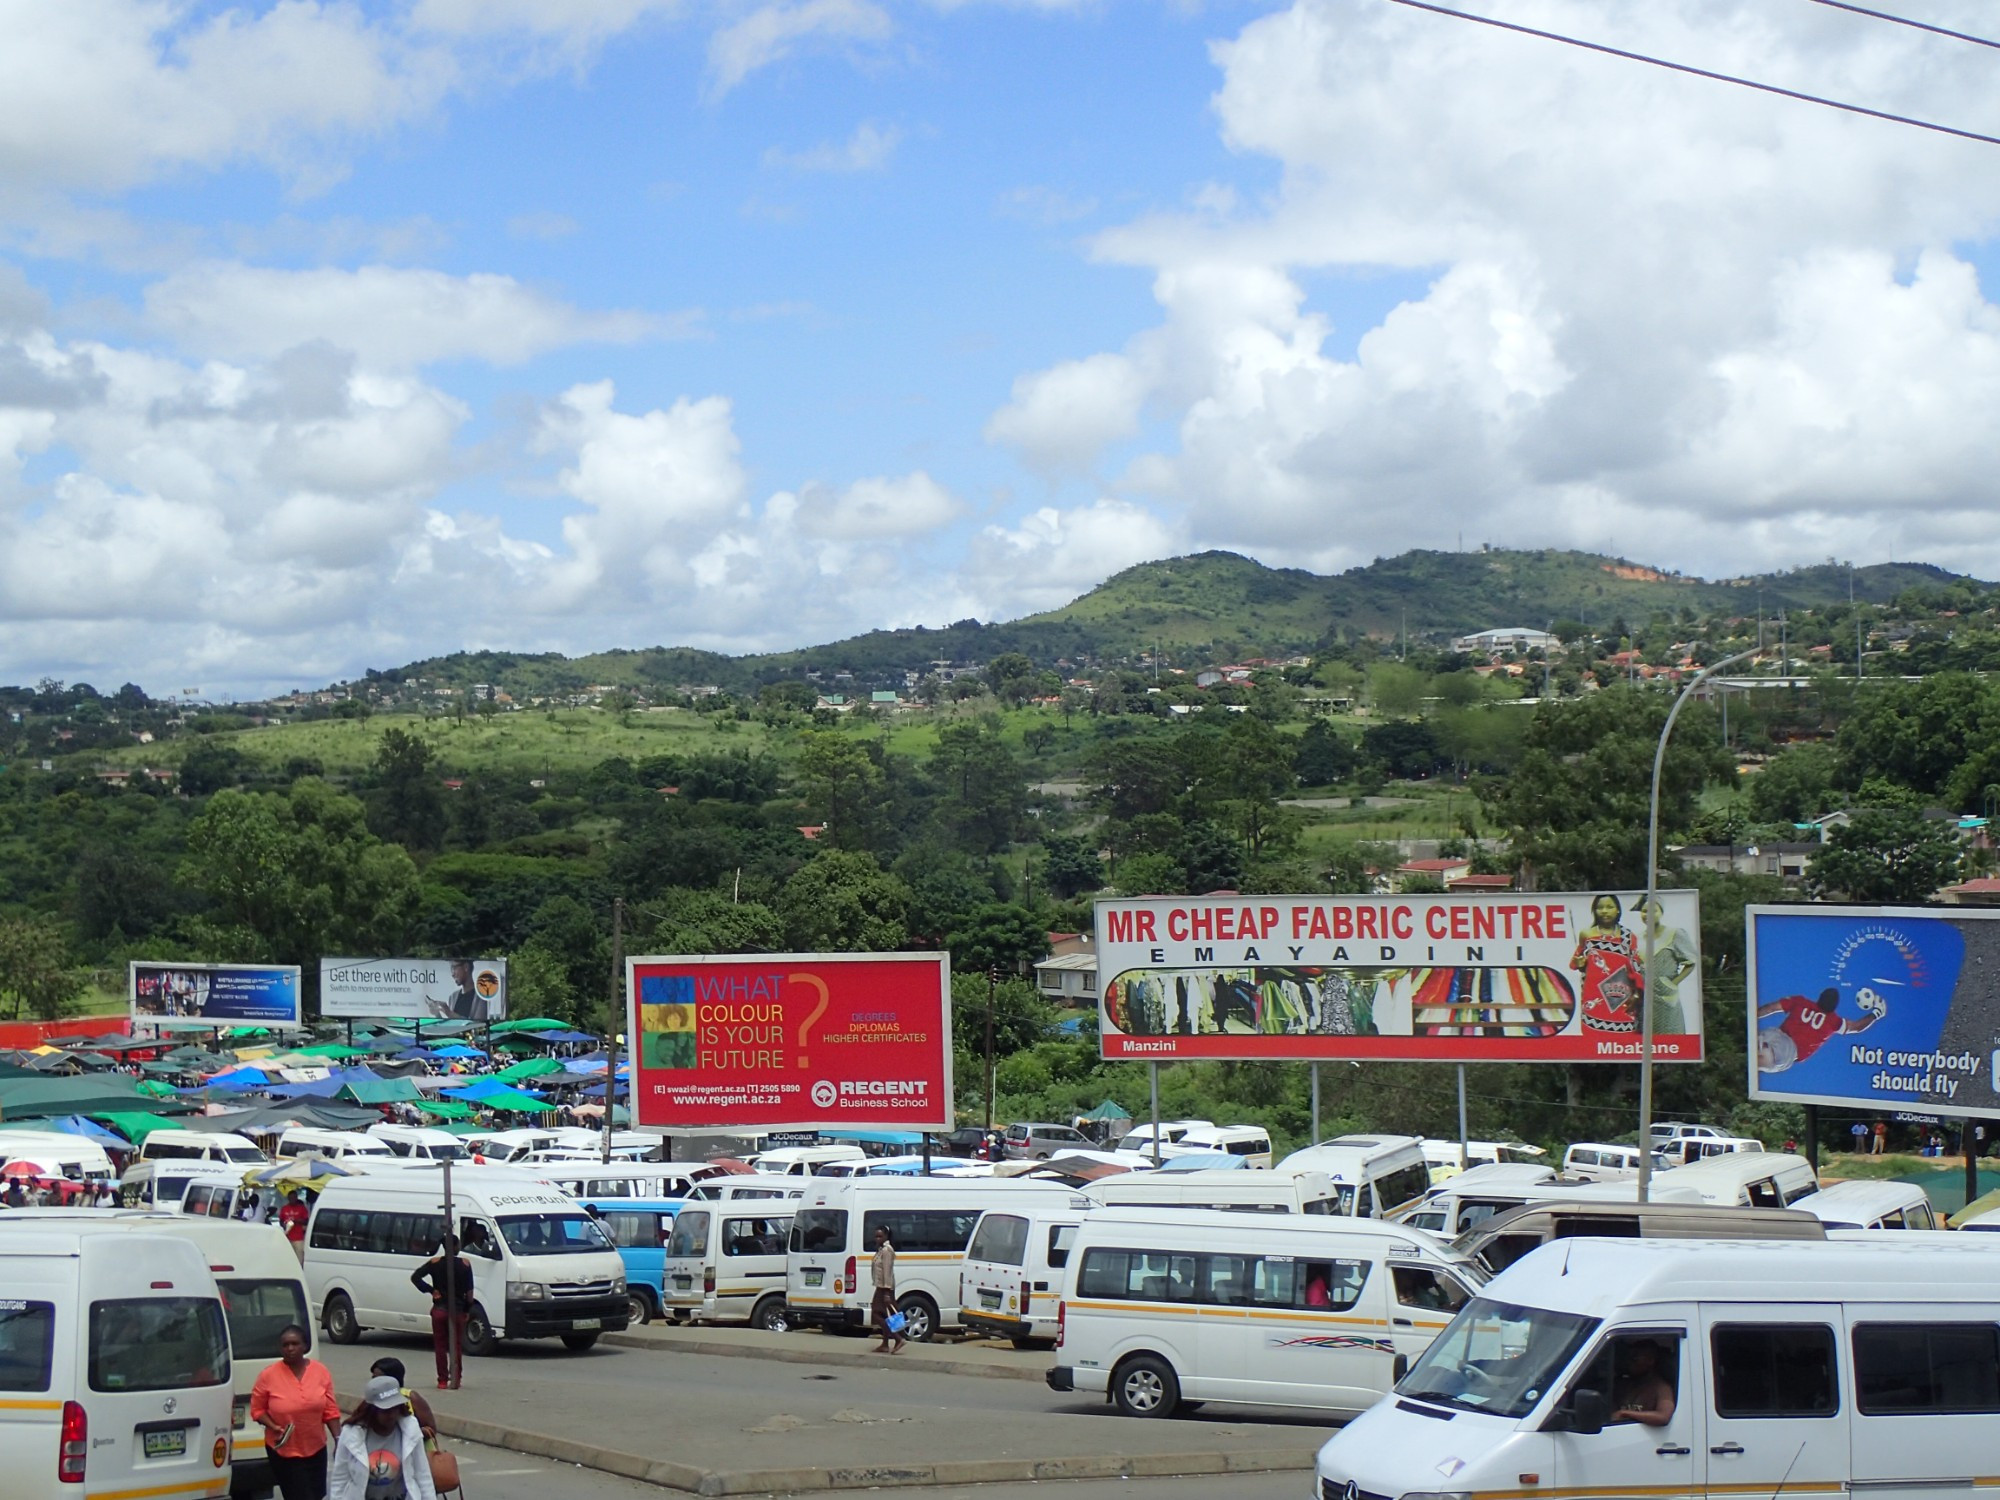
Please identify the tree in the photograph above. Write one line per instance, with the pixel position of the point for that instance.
(1796, 784)
(697, 922)
(1407, 748)
(301, 872)
(1073, 866)
(842, 902)
(1891, 855)
(209, 766)
(408, 804)
(998, 935)
(35, 969)
(1012, 677)
(1324, 755)
(842, 783)
(985, 792)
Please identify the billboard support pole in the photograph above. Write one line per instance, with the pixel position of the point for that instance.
(1812, 1137)
(1649, 922)
(1315, 1076)
(1970, 1136)
(1153, 1079)
(1464, 1150)
(617, 1018)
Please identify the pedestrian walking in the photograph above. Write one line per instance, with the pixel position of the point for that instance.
(1881, 1136)
(293, 1402)
(380, 1454)
(447, 1276)
(882, 1271)
(292, 1219)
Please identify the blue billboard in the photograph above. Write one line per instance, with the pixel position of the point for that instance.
(200, 996)
(1892, 1008)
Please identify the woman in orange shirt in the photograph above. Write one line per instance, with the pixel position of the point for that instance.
(293, 1399)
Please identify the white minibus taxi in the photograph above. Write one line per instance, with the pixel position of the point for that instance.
(1251, 1142)
(733, 1185)
(1012, 1281)
(1750, 1179)
(1376, 1175)
(804, 1161)
(623, 1179)
(63, 1154)
(1662, 1367)
(1470, 1198)
(200, 1145)
(1160, 1308)
(541, 1266)
(1140, 1136)
(163, 1184)
(1445, 1158)
(422, 1142)
(114, 1365)
(1602, 1161)
(1860, 1204)
(930, 1221)
(1244, 1192)
(257, 1277)
(726, 1262)
(329, 1145)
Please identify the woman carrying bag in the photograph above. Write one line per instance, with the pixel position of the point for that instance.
(380, 1454)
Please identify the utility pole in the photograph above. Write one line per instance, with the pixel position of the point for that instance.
(617, 1018)
(992, 989)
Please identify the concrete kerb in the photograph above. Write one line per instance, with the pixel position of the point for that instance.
(694, 1481)
(846, 1358)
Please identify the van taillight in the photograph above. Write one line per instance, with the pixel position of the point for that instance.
(1027, 1296)
(708, 1279)
(1062, 1322)
(75, 1444)
(851, 1283)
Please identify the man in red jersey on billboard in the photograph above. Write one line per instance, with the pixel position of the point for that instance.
(1807, 1025)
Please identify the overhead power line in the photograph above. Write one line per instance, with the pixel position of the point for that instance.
(1883, 15)
(1688, 68)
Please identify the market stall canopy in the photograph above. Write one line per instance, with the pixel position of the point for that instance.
(530, 1023)
(131, 1124)
(1110, 1109)
(77, 1125)
(38, 1096)
(456, 1050)
(380, 1091)
(534, 1067)
(502, 1097)
(557, 1038)
(323, 1113)
(445, 1109)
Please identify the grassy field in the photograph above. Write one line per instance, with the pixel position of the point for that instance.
(529, 742)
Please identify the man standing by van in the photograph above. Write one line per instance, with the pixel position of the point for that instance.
(292, 1219)
(882, 1271)
(447, 1276)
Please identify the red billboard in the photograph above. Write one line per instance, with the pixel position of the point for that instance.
(1463, 977)
(791, 1041)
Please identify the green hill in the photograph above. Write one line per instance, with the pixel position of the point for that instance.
(1217, 606)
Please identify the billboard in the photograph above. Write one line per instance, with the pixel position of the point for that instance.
(200, 996)
(417, 989)
(1527, 977)
(1891, 1008)
(791, 1041)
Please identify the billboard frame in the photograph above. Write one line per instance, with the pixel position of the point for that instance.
(941, 1040)
(1490, 996)
(329, 965)
(212, 1023)
(1908, 1103)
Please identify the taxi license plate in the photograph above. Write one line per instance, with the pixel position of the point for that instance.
(582, 1323)
(989, 1300)
(683, 1283)
(814, 1278)
(172, 1443)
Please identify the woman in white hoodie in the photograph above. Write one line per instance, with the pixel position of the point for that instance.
(380, 1453)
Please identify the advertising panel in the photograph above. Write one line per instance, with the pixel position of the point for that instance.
(200, 996)
(1895, 1008)
(416, 989)
(1530, 977)
(791, 1041)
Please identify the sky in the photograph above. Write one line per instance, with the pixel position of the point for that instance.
(336, 335)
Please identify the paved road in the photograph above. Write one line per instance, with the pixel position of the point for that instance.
(748, 1416)
(496, 1474)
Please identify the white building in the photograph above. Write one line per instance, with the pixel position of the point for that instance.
(1517, 638)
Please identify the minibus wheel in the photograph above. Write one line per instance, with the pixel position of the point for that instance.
(770, 1316)
(578, 1342)
(638, 1306)
(478, 1337)
(1144, 1386)
(339, 1321)
(921, 1317)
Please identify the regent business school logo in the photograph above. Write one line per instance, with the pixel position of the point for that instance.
(824, 1094)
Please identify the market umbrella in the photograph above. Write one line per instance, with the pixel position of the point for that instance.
(534, 1067)
(532, 1023)
(304, 1172)
(22, 1167)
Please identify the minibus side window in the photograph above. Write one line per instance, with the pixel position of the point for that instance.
(1404, 1185)
(476, 1237)
(741, 1237)
(1625, 1367)
(1804, 1190)
(1764, 1193)
(27, 1344)
(1428, 1289)
(1774, 1370)
(1137, 1275)
(1061, 1237)
(1907, 1369)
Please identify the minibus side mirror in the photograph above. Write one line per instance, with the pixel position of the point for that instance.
(1584, 1412)
(1399, 1368)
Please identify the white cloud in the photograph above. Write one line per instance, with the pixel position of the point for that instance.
(586, 21)
(772, 33)
(867, 150)
(1657, 306)
(388, 315)
(541, 226)
(877, 509)
(1061, 418)
(1053, 555)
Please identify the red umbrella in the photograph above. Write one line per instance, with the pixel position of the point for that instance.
(25, 1168)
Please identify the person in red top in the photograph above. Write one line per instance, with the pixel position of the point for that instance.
(1805, 1027)
(293, 1400)
(292, 1219)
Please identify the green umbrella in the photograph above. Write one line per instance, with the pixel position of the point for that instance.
(534, 1067)
(157, 1089)
(533, 1023)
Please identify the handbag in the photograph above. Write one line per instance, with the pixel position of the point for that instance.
(895, 1322)
(444, 1470)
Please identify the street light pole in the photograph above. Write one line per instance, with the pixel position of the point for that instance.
(1650, 921)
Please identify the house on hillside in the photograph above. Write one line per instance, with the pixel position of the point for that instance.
(1439, 871)
(1068, 978)
(1787, 861)
(1516, 638)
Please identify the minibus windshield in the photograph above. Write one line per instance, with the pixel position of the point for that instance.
(552, 1234)
(1496, 1357)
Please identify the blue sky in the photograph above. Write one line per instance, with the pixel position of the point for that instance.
(336, 335)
